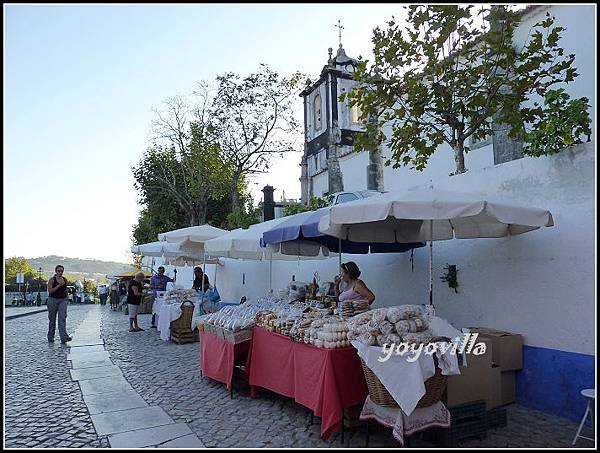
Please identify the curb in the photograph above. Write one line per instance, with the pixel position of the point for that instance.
(20, 315)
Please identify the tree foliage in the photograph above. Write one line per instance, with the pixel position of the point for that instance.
(314, 204)
(182, 174)
(253, 119)
(16, 265)
(446, 74)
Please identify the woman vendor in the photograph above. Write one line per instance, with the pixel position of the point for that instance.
(201, 282)
(355, 288)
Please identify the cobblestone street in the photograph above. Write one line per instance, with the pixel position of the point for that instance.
(45, 408)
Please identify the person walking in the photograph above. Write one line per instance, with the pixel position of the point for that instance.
(103, 294)
(114, 296)
(29, 299)
(57, 305)
(134, 299)
(38, 299)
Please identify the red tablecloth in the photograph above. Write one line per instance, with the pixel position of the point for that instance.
(217, 357)
(324, 380)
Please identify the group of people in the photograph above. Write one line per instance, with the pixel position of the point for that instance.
(29, 300)
(355, 289)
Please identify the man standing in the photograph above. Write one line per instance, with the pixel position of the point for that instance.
(103, 293)
(159, 282)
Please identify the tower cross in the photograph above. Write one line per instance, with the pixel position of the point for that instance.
(339, 26)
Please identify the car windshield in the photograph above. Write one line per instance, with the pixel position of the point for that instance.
(368, 193)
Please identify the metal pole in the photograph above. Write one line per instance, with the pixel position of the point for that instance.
(339, 254)
(203, 271)
(270, 272)
(431, 262)
(216, 267)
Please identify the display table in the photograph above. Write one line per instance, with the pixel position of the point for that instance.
(324, 380)
(218, 357)
(421, 419)
(167, 312)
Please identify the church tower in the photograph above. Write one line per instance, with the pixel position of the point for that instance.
(330, 126)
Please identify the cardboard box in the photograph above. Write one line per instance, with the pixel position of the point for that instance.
(509, 387)
(494, 396)
(507, 347)
(480, 380)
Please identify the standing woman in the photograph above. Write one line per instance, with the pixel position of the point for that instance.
(57, 304)
(134, 299)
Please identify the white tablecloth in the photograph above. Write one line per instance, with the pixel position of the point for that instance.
(422, 418)
(403, 379)
(169, 312)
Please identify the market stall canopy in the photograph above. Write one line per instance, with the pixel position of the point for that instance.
(430, 215)
(299, 234)
(245, 244)
(199, 234)
(131, 274)
(425, 215)
(158, 248)
(174, 253)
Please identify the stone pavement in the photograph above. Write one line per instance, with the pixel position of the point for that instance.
(140, 372)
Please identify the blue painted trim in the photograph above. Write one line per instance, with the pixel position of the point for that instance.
(552, 380)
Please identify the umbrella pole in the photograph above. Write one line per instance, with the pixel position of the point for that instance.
(203, 271)
(340, 254)
(270, 272)
(216, 267)
(431, 262)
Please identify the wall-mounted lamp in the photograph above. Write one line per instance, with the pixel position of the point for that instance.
(451, 276)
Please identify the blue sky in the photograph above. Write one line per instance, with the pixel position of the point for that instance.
(80, 83)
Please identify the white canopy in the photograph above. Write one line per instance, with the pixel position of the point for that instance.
(174, 253)
(198, 234)
(430, 215)
(425, 215)
(245, 244)
(157, 248)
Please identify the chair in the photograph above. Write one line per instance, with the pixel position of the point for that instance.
(590, 394)
(181, 331)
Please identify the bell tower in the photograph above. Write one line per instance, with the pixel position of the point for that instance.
(330, 125)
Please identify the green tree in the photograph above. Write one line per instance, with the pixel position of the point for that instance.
(89, 286)
(314, 204)
(442, 78)
(245, 216)
(15, 265)
(180, 182)
(253, 119)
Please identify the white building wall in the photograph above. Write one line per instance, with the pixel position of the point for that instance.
(320, 184)
(354, 171)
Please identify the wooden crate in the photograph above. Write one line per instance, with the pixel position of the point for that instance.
(236, 337)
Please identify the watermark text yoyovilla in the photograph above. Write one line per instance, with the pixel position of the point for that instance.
(467, 344)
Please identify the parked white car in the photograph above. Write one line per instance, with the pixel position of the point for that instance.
(344, 197)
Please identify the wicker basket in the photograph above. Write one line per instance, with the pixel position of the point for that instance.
(434, 386)
(184, 322)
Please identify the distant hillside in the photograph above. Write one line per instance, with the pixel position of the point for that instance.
(88, 268)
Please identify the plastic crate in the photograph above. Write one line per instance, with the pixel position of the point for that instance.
(476, 409)
(496, 418)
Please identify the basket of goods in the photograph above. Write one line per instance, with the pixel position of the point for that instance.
(393, 325)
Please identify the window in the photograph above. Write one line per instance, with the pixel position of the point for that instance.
(345, 197)
(356, 114)
(317, 112)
